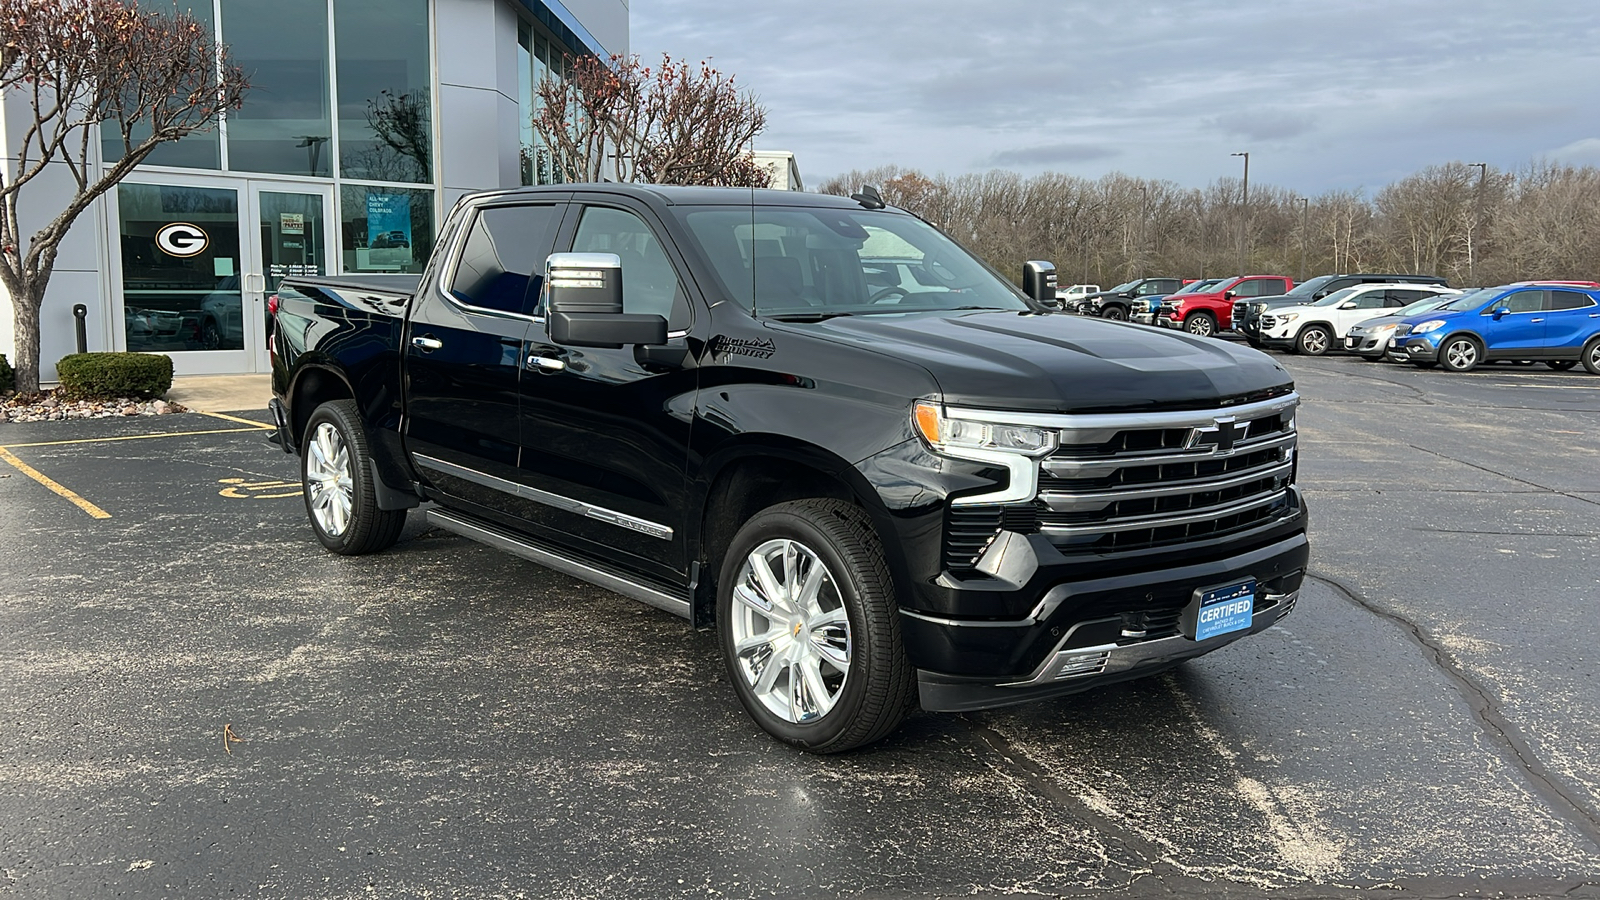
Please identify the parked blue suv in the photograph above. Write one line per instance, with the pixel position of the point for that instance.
(1555, 322)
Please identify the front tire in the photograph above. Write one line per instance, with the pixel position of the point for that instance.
(1114, 313)
(1460, 354)
(336, 475)
(806, 618)
(1313, 340)
(1201, 324)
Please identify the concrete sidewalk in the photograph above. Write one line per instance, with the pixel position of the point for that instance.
(221, 393)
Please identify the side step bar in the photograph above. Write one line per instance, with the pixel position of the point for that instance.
(484, 533)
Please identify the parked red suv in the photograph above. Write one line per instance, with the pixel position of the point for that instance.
(1212, 311)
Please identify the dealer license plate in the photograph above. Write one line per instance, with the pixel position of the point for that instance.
(1225, 610)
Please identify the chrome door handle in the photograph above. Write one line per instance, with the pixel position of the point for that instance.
(1536, 320)
(427, 344)
(547, 363)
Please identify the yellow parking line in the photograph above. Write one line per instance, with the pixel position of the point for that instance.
(250, 422)
(45, 480)
(133, 437)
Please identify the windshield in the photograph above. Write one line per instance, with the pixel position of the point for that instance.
(1309, 288)
(1195, 287)
(819, 261)
(1123, 286)
(1468, 301)
(1337, 297)
(1421, 306)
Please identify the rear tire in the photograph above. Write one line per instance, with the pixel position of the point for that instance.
(336, 475)
(1313, 340)
(1591, 356)
(812, 644)
(1460, 353)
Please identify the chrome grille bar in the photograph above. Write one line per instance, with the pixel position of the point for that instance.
(1099, 467)
(1061, 501)
(1142, 522)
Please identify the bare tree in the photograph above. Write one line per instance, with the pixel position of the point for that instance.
(676, 124)
(148, 77)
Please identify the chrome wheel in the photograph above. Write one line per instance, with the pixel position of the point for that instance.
(1461, 355)
(1200, 326)
(1314, 342)
(790, 630)
(330, 483)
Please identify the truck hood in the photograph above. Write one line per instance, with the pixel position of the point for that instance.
(1061, 363)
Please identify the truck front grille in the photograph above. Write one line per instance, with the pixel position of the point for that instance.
(1140, 481)
(1239, 310)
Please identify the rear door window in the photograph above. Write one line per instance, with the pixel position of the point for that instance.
(1560, 300)
(502, 263)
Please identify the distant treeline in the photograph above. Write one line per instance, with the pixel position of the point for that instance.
(1470, 225)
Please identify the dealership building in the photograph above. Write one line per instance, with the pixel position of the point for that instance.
(365, 121)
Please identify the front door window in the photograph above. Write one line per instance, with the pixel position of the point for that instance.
(180, 268)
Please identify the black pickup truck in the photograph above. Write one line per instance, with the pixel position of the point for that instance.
(883, 474)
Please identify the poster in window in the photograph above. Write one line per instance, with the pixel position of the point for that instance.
(389, 230)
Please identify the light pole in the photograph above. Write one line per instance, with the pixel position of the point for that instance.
(1477, 214)
(1144, 221)
(1305, 207)
(1244, 216)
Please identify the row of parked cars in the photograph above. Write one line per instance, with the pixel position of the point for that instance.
(1404, 318)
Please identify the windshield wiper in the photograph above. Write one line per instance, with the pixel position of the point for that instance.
(805, 317)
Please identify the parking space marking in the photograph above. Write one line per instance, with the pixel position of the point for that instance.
(130, 437)
(251, 422)
(240, 489)
(56, 488)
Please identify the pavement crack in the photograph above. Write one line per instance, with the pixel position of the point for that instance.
(1545, 784)
(1145, 853)
(1525, 481)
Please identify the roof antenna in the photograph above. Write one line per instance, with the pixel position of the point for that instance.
(869, 197)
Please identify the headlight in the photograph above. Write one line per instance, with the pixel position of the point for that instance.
(1098, 300)
(1384, 329)
(1287, 317)
(944, 432)
(1430, 325)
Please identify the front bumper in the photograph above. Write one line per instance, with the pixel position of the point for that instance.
(1083, 634)
(1365, 344)
(1413, 349)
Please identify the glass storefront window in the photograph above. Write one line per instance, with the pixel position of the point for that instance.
(385, 107)
(285, 124)
(201, 150)
(385, 229)
(180, 268)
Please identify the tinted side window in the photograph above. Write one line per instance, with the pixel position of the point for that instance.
(1269, 287)
(502, 264)
(1519, 302)
(1569, 300)
(1338, 284)
(649, 282)
(1370, 300)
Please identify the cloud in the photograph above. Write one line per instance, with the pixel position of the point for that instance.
(1583, 152)
(1048, 154)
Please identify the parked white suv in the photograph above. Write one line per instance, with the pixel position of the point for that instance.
(1316, 328)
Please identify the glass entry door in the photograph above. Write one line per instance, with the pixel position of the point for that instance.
(290, 238)
(199, 258)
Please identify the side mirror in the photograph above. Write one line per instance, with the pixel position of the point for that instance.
(1348, 304)
(1501, 313)
(584, 304)
(1039, 281)
(1229, 295)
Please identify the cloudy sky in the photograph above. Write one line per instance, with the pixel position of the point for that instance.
(1323, 94)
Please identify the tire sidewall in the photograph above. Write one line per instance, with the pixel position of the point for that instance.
(1209, 323)
(1591, 356)
(1444, 353)
(1115, 313)
(332, 413)
(780, 523)
(1300, 340)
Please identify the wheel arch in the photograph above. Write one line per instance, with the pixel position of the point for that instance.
(313, 386)
(761, 470)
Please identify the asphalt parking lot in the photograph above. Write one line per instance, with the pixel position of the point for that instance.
(445, 720)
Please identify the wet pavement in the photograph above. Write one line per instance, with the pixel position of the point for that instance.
(446, 720)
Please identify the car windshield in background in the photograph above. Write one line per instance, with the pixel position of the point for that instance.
(1121, 287)
(1310, 287)
(1421, 306)
(1470, 300)
(1195, 287)
(1337, 297)
(804, 262)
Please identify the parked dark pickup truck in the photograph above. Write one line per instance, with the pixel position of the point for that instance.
(883, 474)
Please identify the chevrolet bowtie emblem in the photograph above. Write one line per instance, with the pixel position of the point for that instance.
(797, 629)
(1221, 435)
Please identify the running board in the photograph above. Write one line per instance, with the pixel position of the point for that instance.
(494, 537)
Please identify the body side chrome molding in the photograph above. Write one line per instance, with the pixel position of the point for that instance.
(577, 507)
(650, 596)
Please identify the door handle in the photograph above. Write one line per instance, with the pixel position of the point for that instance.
(427, 343)
(547, 363)
(1541, 319)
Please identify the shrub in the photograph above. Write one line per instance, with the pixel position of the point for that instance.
(8, 378)
(104, 376)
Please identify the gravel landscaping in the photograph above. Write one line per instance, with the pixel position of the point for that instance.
(46, 407)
